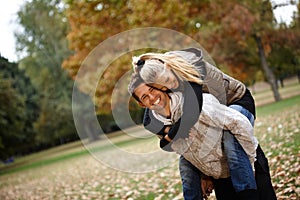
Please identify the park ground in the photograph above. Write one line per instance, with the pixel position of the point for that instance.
(71, 172)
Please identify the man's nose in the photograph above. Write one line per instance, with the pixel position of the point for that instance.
(151, 97)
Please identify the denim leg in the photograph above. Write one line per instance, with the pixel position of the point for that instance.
(244, 111)
(240, 168)
(239, 165)
(191, 180)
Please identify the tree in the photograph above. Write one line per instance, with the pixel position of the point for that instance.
(44, 44)
(18, 111)
(238, 34)
(92, 22)
(266, 18)
(293, 41)
(241, 34)
(12, 118)
(250, 37)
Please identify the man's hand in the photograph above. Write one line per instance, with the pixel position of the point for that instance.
(207, 186)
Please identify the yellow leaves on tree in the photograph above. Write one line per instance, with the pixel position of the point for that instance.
(92, 22)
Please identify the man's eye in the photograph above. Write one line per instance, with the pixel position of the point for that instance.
(145, 98)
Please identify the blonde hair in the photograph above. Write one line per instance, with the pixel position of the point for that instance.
(155, 63)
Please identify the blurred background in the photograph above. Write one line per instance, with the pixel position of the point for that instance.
(44, 42)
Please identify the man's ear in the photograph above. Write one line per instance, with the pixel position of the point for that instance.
(141, 104)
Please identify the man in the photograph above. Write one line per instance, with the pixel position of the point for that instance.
(159, 101)
(217, 84)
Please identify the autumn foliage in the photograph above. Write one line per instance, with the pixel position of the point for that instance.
(226, 29)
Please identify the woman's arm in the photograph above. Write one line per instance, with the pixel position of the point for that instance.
(223, 117)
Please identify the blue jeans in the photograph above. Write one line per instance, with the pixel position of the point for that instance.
(191, 176)
(241, 172)
(191, 180)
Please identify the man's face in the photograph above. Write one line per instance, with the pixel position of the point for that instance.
(152, 98)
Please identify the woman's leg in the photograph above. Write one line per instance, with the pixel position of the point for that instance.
(262, 171)
(241, 171)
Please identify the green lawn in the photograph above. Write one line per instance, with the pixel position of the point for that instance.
(278, 106)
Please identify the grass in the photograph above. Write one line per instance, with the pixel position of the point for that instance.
(40, 163)
(51, 156)
(263, 94)
(277, 106)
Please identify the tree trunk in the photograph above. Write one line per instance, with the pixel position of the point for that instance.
(268, 72)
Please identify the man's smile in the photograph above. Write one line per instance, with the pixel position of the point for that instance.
(156, 102)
